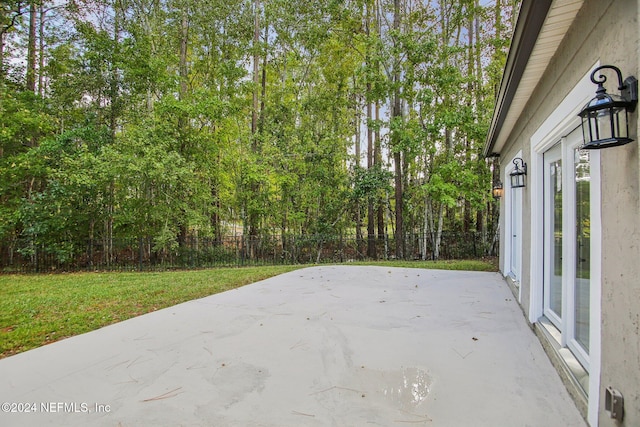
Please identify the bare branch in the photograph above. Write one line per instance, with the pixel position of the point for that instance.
(20, 10)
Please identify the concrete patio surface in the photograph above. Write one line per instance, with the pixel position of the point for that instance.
(321, 346)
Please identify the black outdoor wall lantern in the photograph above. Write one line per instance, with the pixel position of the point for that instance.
(605, 119)
(497, 189)
(517, 175)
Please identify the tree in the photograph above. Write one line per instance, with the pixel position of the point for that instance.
(170, 123)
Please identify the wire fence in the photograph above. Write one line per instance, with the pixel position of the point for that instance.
(142, 254)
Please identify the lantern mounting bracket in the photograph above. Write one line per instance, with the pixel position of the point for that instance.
(629, 91)
(628, 88)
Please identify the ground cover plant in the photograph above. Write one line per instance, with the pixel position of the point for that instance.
(36, 310)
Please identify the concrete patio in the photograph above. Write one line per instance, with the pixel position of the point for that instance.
(322, 346)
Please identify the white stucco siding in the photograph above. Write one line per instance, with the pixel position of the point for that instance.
(604, 32)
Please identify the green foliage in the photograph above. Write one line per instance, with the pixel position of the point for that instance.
(369, 184)
(24, 120)
(63, 198)
(141, 124)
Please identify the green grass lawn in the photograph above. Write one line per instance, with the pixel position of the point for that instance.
(467, 265)
(39, 309)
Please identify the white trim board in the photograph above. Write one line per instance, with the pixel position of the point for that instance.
(508, 241)
(559, 123)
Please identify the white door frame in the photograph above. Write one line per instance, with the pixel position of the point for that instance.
(559, 123)
(513, 208)
(569, 233)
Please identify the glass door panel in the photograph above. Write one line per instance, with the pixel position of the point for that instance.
(553, 235)
(568, 196)
(583, 249)
(515, 232)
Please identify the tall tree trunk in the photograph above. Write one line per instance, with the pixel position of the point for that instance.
(358, 154)
(215, 215)
(377, 149)
(466, 227)
(2, 32)
(428, 228)
(438, 233)
(256, 73)
(427, 223)
(371, 220)
(498, 18)
(252, 217)
(41, 52)
(184, 47)
(396, 114)
(371, 213)
(108, 224)
(31, 48)
(1, 70)
(114, 78)
(1, 58)
(377, 159)
(183, 122)
(263, 84)
(478, 58)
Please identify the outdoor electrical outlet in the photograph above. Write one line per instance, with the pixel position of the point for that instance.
(614, 403)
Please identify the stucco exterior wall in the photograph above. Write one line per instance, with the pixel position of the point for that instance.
(506, 156)
(608, 32)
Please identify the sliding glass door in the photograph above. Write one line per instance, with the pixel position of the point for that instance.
(515, 233)
(553, 235)
(582, 277)
(567, 243)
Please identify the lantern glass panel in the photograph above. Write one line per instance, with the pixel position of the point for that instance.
(608, 123)
(497, 191)
(605, 121)
(517, 179)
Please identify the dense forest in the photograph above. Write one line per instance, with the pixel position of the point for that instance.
(170, 120)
